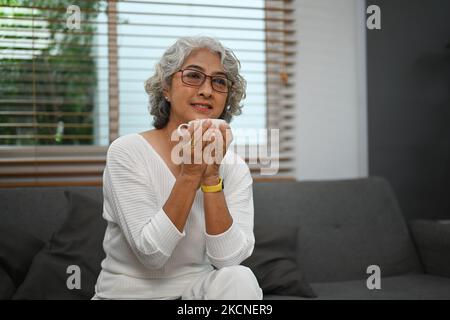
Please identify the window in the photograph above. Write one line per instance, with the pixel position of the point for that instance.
(67, 90)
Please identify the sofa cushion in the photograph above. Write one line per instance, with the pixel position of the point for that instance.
(344, 226)
(433, 241)
(17, 250)
(38, 211)
(77, 243)
(273, 262)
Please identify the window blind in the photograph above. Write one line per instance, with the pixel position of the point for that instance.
(66, 93)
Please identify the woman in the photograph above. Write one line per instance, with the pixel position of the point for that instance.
(180, 230)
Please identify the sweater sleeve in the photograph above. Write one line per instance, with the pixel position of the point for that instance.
(134, 207)
(235, 244)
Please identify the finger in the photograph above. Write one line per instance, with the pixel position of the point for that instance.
(206, 132)
(221, 147)
(227, 135)
(191, 128)
(223, 127)
(215, 145)
(195, 132)
(210, 136)
(208, 149)
(205, 126)
(217, 152)
(196, 140)
(190, 132)
(188, 139)
(185, 138)
(199, 128)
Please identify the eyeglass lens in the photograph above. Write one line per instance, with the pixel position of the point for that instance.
(197, 78)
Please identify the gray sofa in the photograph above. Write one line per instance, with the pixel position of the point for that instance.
(347, 226)
(343, 228)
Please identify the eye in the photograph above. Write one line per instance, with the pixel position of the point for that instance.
(220, 81)
(193, 74)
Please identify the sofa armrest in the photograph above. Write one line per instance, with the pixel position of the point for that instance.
(432, 239)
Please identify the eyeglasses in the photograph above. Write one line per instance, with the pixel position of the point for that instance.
(196, 78)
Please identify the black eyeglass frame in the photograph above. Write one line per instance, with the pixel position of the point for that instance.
(230, 85)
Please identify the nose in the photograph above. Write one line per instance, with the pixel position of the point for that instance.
(206, 88)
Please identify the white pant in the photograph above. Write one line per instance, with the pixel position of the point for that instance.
(229, 283)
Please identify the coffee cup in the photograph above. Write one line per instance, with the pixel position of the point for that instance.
(215, 123)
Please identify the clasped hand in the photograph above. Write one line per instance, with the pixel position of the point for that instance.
(203, 149)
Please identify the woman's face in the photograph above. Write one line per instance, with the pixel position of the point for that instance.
(188, 102)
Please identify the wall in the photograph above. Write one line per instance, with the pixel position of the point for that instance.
(409, 104)
(331, 132)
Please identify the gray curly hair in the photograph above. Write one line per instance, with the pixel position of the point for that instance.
(173, 59)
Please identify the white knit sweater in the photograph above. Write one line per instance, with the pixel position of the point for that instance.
(146, 256)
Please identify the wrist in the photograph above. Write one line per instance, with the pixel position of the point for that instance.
(211, 180)
(213, 188)
(190, 182)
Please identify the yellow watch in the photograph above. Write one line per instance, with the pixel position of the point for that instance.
(218, 187)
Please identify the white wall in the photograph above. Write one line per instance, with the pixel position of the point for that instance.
(331, 111)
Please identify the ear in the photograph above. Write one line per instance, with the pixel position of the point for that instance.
(166, 91)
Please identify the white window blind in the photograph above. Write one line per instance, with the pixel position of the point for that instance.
(96, 92)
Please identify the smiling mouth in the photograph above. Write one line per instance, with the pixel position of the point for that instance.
(201, 106)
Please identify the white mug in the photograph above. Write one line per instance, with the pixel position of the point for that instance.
(214, 123)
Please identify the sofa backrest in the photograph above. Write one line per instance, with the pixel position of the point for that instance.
(344, 226)
(39, 211)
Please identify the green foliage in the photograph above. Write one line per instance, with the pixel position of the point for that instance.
(10, 2)
(58, 78)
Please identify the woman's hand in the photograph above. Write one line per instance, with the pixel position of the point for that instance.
(194, 165)
(201, 162)
(211, 175)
